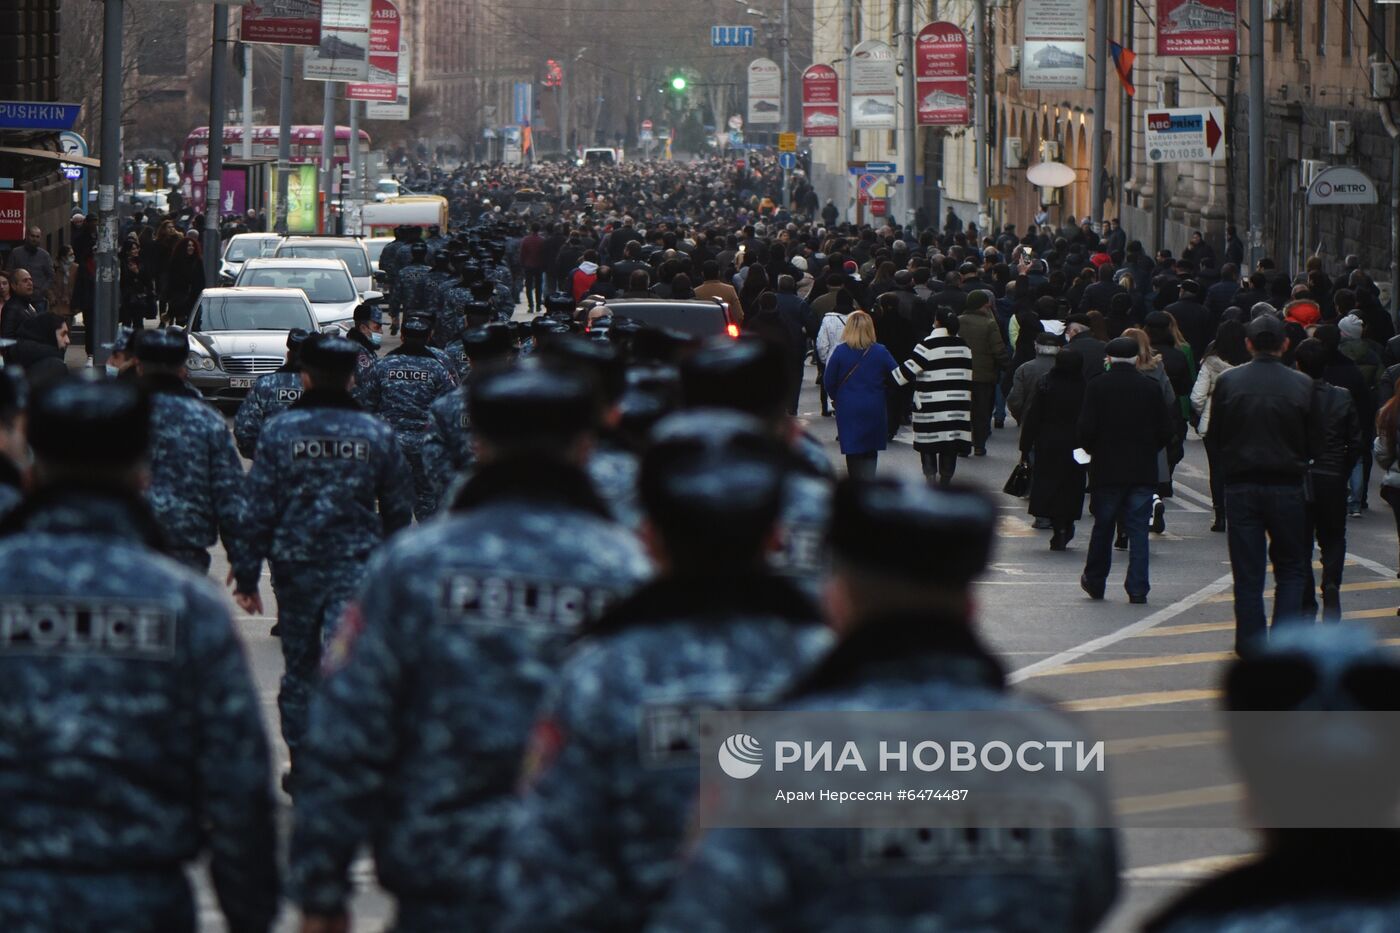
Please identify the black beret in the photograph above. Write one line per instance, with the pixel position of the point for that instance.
(559, 301)
(296, 337)
(908, 530)
(477, 309)
(368, 313)
(90, 423)
(163, 347)
(332, 355)
(418, 326)
(747, 374)
(533, 403)
(601, 359)
(122, 342)
(486, 343)
(706, 470)
(547, 325)
(418, 250)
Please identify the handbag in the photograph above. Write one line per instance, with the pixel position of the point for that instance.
(1018, 484)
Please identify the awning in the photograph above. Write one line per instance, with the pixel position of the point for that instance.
(52, 156)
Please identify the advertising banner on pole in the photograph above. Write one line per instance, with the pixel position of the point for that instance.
(281, 22)
(872, 86)
(765, 92)
(1196, 27)
(398, 108)
(1054, 44)
(301, 198)
(940, 71)
(821, 101)
(12, 206)
(385, 28)
(1195, 134)
(343, 53)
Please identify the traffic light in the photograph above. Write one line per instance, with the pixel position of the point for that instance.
(678, 84)
(553, 73)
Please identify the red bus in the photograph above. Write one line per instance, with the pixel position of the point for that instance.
(306, 147)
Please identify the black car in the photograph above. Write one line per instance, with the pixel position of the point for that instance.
(698, 317)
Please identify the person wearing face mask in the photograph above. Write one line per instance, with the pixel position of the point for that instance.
(368, 335)
(121, 359)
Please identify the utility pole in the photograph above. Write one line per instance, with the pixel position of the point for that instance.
(105, 304)
(787, 95)
(908, 198)
(327, 155)
(247, 148)
(284, 138)
(1256, 133)
(848, 42)
(213, 194)
(979, 38)
(1096, 148)
(357, 182)
(1125, 131)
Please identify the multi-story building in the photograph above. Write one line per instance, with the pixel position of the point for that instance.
(29, 72)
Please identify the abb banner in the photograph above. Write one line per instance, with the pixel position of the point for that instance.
(11, 215)
(940, 71)
(1196, 27)
(385, 27)
(821, 101)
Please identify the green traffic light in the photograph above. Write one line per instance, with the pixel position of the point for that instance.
(678, 83)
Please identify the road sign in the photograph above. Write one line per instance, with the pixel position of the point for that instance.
(1189, 135)
(11, 215)
(25, 115)
(1341, 184)
(788, 160)
(787, 142)
(736, 122)
(731, 37)
(881, 168)
(648, 125)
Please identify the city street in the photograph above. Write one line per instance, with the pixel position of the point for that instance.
(1056, 642)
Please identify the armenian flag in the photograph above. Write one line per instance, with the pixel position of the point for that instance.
(1123, 64)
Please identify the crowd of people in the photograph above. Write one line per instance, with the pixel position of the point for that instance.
(518, 555)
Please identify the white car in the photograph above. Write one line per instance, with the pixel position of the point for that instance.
(239, 334)
(375, 245)
(348, 249)
(242, 247)
(326, 282)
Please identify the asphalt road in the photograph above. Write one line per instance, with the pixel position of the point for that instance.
(1168, 654)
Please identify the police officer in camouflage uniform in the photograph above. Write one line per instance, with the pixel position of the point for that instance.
(440, 663)
(748, 375)
(613, 764)
(196, 489)
(14, 446)
(1310, 880)
(403, 385)
(270, 395)
(368, 337)
(393, 258)
(478, 315)
(447, 446)
(900, 601)
(439, 278)
(449, 317)
(133, 739)
(328, 484)
(413, 281)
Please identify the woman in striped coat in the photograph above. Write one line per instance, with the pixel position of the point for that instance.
(940, 370)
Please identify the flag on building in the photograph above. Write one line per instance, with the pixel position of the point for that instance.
(1123, 64)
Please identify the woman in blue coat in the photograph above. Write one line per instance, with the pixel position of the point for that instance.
(855, 381)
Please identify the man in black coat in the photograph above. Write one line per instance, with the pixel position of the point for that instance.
(1099, 296)
(1123, 425)
(1081, 340)
(1195, 321)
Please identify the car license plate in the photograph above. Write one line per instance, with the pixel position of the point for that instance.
(237, 382)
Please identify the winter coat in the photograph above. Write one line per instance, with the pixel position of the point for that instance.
(1024, 382)
(1123, 425)
(855, 382)
(940, 369)
(1211, 368)
(1049, 429)
(980, 331)
(829, 335)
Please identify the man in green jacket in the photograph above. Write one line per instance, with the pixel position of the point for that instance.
(979, 329)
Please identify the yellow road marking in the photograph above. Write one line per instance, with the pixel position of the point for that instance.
(1179, 799)
(1157, 743)
(1139, 663)
(1199, 627)
(1346, 588)
(1135, 700)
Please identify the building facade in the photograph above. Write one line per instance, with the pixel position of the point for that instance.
(29, 71)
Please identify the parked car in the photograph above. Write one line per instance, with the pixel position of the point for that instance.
(326, 282)
(697, 317)
(239, 334)
(376, 245)
(348, 249)
(242, 247)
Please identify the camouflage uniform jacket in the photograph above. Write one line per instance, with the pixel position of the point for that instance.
(404, 384)
(271, 395)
